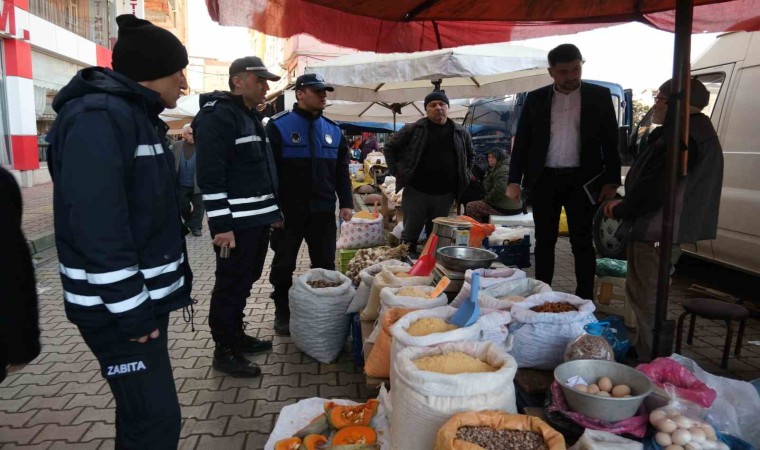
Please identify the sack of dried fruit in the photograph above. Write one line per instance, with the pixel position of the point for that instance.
(367, 278)
(434, 383)
(488, 278)
(497, 429)
(378, 362)
(411, 297)
(542, 326)
(390, 276)
(318, 321)
(428, 328)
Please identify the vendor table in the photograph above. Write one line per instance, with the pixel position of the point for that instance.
(386, 206)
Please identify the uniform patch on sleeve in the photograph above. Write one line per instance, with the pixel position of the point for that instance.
(210, 104)
(122, 369)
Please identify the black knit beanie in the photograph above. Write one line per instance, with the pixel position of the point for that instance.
(146, 52)
(436, 95)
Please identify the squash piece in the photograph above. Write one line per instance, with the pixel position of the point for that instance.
(313, 442)
(356, 434)
(343, 416)
(288, 444)
(355, 447)
(318, 425)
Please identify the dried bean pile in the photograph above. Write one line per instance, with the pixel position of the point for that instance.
(554, 307)
(319, 284)
(491, 439)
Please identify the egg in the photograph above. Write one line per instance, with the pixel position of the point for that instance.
(657, 415)
(581, 388)
(605, 384)
(621, 390)
(593, 388)
(709, 433)
(674, 447)
(698, 434)
(666, 426)
(683, 422)
(693, 446)
(663, 439)
(603, 394)
(681, 437)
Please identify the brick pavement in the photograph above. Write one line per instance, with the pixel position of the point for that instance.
(38, 210)
(60, 400)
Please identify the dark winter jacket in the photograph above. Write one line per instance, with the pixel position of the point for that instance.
(697, 195)
(235, 168)
(19, 329)
(312, 162)
(404, 151)
(495, 184)
(117, 225)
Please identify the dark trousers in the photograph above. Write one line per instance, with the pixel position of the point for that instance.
(318, 228)
(142, 383)
(549, 195)
(191, 208)
(234, 278)
(419, 211)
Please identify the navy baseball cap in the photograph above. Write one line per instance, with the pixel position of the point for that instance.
(313, 81)
(252, 64)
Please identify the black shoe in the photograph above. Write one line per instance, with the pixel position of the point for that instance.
(282, 326)
(249, 344)
(232, 362)
(197, 233)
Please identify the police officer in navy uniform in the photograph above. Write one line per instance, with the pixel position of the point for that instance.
(238, 180)
(118, 232)
(312, 164)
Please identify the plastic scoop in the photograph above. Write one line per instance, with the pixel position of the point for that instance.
(440, 287)
(469, 310)
(426, 263)
(375, 214)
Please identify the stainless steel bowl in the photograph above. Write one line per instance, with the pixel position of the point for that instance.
(609, 409)
(461, 259)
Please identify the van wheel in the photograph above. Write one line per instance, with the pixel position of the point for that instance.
(610, 236)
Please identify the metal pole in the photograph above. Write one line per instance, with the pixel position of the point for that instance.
(678, 116)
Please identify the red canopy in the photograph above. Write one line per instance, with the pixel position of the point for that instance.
(415, 25)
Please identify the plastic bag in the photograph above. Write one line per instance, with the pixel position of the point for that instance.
(680, 423)
(608, 267)
(378, 362)
(590, 345)
(602, 440)
(617, 336)
(478, 232)
(671, 376)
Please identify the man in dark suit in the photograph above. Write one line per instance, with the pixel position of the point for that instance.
(566, 137)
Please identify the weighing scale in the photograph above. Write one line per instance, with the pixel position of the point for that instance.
(457, 280)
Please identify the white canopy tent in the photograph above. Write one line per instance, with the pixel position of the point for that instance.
(475, 71)
(345, 111)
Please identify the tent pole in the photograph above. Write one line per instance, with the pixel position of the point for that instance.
(678, 108)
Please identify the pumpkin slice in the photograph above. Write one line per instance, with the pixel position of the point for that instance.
(355, 447)
(288, 444)
(355, 434)
(318, 425)
(313, 442)
(343, 416)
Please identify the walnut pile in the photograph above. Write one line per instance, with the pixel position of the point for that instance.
(367, 257)
(554, 307)
(491, 439)
(320, 284)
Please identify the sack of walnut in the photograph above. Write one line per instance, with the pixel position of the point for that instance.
(551, 439)
(424, 400)
(318, 321)
(540, 338)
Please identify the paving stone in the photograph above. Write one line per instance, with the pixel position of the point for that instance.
(188, 443)
(90, 414)
(196, 412)
(347, 391)
(348, 378)
(7, 393)
(231, 382)
(13, 405)
(71, 433)
(90, 388)
(60, 357)
(181, 372)
(262, 424)
(186, 398)
(195, 426)
(15, 420)
(287, 392)
(269, 393)
(290, 368)
(226, 396)
(40, 391)
(40, 446)
(30, 378)
(284, 380)
(97, 401)
(214, 443)
(94, 445)
(187, 363)
(19, 435)
(325, 379)
(293, 358)
(100, 430)
(74, 377)
(192, 384)
(264, 407)
(256, 441)
(347, 367)
(243, 409)
(65, 417)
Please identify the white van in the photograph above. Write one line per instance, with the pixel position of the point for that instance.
(730, 69)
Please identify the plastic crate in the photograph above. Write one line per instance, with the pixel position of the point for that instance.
(345, 257)
(515, 254)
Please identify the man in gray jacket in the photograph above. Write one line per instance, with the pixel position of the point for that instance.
(190, 199)
(432, 161)
(697, 204)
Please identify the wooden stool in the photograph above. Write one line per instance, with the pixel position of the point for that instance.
(717, 310)
(604, 292)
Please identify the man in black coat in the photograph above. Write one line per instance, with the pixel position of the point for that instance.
(566, 138)
(19, 331)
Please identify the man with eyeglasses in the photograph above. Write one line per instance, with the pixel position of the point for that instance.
(566, 140)
(312, 164)
(190, 200)
(697, 203)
